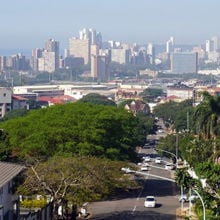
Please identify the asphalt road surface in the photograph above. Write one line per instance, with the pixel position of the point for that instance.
(132, 207)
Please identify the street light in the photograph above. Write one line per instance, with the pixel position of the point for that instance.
(203, 205)
(170, 154)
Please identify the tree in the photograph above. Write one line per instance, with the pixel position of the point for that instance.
(15, 113)
(97, 99)
(73, 181)
(73, 129)
(150, 94)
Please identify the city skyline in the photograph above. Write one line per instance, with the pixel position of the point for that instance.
(29, 24)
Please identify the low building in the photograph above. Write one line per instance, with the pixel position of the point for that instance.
(5, 101)
(9, 202)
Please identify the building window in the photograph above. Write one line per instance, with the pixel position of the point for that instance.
(4, 94)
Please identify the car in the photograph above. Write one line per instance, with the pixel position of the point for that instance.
(150, 201)
(126, 170)
(144, 168)
(169, 166)
(147, 158)
(157, 160)
(145, 164)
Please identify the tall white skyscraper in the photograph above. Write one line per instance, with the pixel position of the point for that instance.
(151, 52)
(170, 45)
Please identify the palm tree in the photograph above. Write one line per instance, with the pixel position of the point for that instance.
(206, 118)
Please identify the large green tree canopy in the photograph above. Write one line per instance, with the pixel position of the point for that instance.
(73, 129)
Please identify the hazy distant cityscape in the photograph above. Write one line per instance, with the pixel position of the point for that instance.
(88, 48)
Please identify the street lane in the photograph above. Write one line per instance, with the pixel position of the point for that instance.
(133, 206)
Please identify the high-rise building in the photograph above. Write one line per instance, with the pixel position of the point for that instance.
(53, 46)
(80, 48)
(151, 53)
(36, 54)
(184, 62)
(209, 46)
(170, 45)
(2, 63)
(121, 56)
(99, 67)
(47, 62)
(215, 43)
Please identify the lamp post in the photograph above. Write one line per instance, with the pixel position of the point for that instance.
(175, 155)
(203, 205)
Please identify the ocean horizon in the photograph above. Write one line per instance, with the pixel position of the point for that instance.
(14, 51)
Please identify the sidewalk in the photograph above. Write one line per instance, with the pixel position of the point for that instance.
(182, 213)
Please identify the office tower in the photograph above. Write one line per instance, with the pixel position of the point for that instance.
(215, 43)
(121, 56)
(89, 34)
(66, 53)
(36, 54)
(53, 46)
(17, 62)
(47, 62)
(209, 46)
(80, 48)
(170, 45)
(99, 39)
(151, 53)
(99, 67)
(185, 62)
(2, 63)
(94, 49)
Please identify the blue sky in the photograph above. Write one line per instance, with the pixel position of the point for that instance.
(28, 24)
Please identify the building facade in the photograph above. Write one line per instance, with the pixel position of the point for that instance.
(5, 101)
(80, 48)
(184, 62)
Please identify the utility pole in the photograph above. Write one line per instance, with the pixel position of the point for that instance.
(177, 143)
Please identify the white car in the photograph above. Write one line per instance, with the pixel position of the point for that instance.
(169, 166)
(147, 159)
(150, 202)
(157, 160)
(144, 168)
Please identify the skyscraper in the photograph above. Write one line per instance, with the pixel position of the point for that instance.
(53, 46)
(151, 52)
(80, 48)
(170, 45)
(215, 43)
(99, 67)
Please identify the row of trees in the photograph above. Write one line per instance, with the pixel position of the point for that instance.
(198, 144)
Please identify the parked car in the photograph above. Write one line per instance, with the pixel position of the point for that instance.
(169, 166)
(157, 160)
(150, 201)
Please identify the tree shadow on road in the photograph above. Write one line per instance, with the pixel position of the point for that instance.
(151, 215)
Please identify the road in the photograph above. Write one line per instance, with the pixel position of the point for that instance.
(133, 207)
